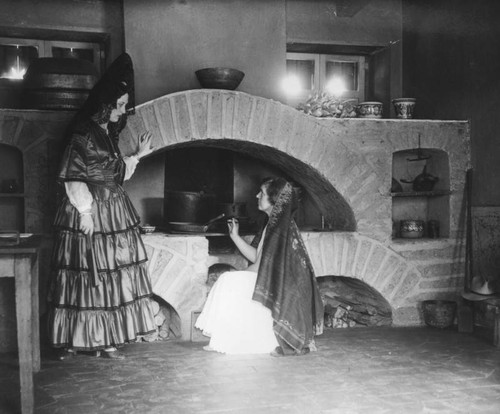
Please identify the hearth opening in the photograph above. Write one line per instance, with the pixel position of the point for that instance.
(224, 176)
(350, 302)
(167, 321)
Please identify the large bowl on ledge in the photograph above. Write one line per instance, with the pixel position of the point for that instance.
(219, 78)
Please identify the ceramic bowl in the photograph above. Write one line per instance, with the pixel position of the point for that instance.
(147, 229)
(411, 229)
(370, 110)
(220, 78)
(404, 107)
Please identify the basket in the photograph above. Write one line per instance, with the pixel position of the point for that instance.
(439, 313)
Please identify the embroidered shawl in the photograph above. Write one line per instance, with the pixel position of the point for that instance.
(286, 283)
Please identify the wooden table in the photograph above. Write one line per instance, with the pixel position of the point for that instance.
(23, 260)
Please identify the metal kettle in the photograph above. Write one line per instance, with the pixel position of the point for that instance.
(424, 181)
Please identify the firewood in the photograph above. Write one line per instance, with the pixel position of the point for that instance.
(159, 319)
(155, 306)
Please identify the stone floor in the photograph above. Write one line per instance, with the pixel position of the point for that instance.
(359, 370)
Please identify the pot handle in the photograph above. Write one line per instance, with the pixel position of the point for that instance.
(214, 219)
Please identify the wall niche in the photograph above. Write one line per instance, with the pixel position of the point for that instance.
(421, 191)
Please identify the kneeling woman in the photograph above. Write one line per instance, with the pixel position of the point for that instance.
(274, 306)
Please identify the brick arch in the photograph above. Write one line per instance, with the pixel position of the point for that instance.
(353, 255)
(178, 268)
(245, 122)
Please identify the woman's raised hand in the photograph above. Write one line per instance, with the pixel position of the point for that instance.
(234, 227)
(144, 147)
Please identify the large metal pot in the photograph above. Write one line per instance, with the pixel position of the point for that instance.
(188, 206)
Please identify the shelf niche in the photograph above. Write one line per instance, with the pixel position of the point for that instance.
(408, 204)
(11, 188)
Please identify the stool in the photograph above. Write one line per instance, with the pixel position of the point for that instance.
(480, 311)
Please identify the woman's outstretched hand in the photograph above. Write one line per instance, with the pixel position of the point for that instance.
(234, 227)
(144, 147)
(245, 249)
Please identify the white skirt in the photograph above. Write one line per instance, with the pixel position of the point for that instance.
(235, 323)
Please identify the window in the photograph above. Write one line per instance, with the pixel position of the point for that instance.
(17, 54)
(337, 75)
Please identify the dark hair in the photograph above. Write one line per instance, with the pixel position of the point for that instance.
(103, 113)
(273, 188)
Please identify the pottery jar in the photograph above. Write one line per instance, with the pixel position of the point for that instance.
(411, 229)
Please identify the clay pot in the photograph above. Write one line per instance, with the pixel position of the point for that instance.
(411, 229)
(369, 110)
(424, 181)
(439, 313)
(219, 78)
(404, 107)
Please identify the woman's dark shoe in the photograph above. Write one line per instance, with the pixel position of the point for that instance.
(303, 351)
(65, 354)
(278, 352)
(111, 354)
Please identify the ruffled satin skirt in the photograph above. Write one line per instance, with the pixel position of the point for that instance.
(235, 323)
(86, 315)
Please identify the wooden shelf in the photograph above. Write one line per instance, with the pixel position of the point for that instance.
(435, 193)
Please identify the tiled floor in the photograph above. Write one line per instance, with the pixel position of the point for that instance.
(360, 370)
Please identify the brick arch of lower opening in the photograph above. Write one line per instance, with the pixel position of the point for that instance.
(352, 255)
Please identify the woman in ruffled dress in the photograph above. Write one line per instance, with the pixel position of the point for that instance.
(100, 287)
(274, 306)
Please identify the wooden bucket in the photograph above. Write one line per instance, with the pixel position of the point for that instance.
(58, 83)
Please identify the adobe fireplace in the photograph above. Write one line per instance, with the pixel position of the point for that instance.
(346, 166)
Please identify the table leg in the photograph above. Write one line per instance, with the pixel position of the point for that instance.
(22, 272)
(35, 320)
(496, 328)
